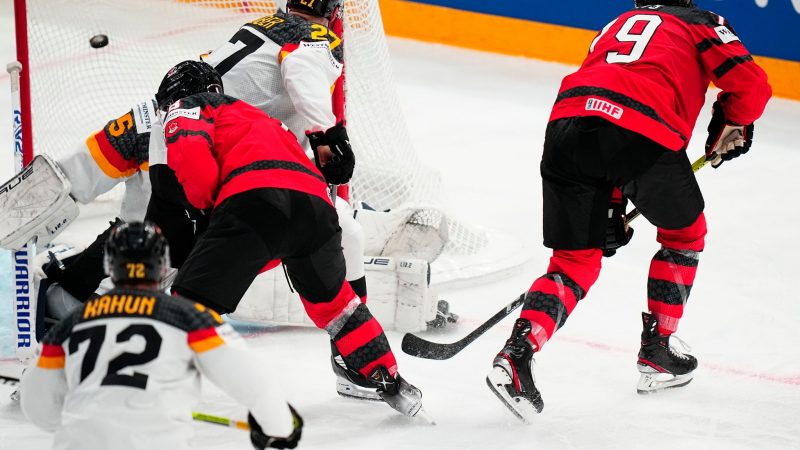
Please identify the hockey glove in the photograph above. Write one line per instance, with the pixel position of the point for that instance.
(618, 233)
(339, 168)
(261, 441)
(726, 140)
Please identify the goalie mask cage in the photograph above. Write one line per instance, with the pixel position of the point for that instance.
(75, 89)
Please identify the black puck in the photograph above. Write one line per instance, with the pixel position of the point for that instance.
(98, 41)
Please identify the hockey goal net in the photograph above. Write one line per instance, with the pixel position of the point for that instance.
(76, 89)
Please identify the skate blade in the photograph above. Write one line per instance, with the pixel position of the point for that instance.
(650, 383)
(356, 392)
(522, 408)
(424, 416)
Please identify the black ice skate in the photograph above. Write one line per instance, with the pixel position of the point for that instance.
(350, 383)
(399, 393)
(511, 378)
(661, 365)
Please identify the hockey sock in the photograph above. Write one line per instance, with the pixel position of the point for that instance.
(361, 342)
(360, 288)
(553, 296)
(672, 273)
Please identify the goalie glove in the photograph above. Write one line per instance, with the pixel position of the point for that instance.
(726, 140)
(338, 169)
(618, 233)
(261, 441)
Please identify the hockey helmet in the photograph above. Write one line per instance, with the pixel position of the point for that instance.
(185, 79)
(319, 8)
(686, 3)
(136, 252)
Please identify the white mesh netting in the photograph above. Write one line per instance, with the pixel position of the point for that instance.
(75, 89)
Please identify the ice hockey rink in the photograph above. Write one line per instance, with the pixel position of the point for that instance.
(480, 118)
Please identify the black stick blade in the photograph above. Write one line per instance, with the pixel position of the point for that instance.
(416, 346)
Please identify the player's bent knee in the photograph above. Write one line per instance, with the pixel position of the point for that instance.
(582, 266)
(687, 238)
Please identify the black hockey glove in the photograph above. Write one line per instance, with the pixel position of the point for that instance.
(261, 441)
(339, 170)
(618, 233)
(726, 140)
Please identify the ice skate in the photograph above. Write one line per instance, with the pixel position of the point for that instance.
(398, 393)
(662, 366)
(350, 383)
(511, 378)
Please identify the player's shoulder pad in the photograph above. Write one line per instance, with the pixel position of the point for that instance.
(186, 314)
(287, 29)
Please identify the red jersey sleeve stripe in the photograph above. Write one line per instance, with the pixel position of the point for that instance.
(730, 63)
(107, 157)
(203, 340)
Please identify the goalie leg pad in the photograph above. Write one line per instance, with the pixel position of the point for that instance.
(400, 294)
(35, 205)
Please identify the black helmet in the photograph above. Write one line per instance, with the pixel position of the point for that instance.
(185, 79)
(319, 8)
(136, 252)
(687, 3)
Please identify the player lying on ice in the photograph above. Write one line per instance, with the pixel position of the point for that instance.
(81, 384)
(622, 123)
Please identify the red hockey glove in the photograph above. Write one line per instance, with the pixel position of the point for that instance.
(618, 233)
(726, 140)
(339, 169)
(261, 441)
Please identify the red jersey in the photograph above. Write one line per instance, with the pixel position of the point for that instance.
(219, 146)
(649, 69)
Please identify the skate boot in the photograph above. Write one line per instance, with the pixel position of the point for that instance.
(350, 383)
(662, 366)
(398, 393)
(511, 378)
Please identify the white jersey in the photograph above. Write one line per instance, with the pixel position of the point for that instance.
(117, 153)
(123, 373)
(285, 66)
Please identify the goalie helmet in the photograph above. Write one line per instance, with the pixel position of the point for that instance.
(185, 79)
(136, 252)
(686, 3)
(319, 8)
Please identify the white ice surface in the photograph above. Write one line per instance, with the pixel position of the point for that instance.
(480, 119)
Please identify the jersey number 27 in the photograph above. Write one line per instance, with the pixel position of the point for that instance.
(625, 34)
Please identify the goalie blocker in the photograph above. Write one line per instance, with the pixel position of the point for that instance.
(35, 205)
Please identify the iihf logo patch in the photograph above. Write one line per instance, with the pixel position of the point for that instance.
(594, 104)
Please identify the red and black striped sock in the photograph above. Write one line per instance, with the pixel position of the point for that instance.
(669, 284)
(362, 343)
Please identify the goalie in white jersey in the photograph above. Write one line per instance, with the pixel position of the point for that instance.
(123, 371)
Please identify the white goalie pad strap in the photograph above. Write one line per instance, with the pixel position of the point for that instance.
(399, 296)
(35, 204)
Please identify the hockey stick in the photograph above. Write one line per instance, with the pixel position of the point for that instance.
(697, 165)
(224, 421)
(198, 416)
(421, 348)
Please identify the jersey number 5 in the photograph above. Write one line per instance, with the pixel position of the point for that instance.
(97, 335)
(640, 39)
